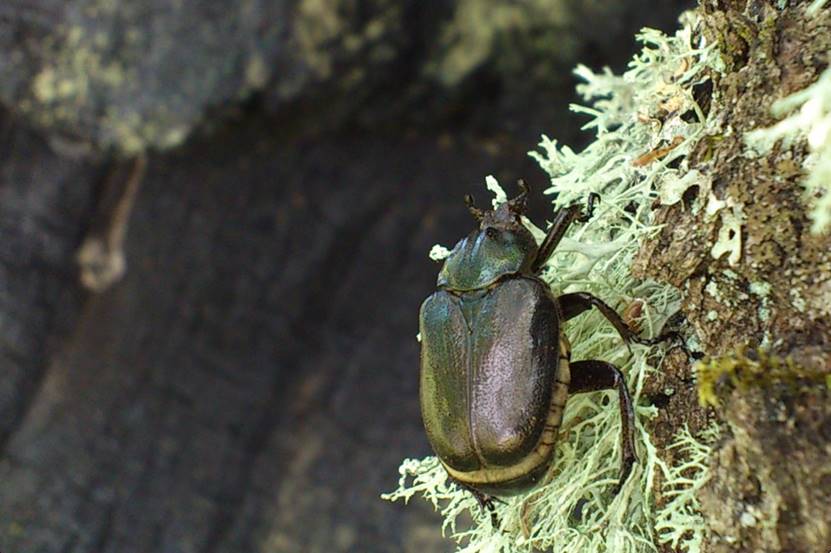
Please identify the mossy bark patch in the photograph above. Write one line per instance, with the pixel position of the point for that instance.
(773, 293)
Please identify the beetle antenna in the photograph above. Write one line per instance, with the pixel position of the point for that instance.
(518, 204)
(477, 213)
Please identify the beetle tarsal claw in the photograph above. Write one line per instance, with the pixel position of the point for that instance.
(486, 503)
(593, 198)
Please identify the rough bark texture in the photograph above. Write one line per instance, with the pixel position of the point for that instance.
(44, 200)
(771, 487)
(770, 479)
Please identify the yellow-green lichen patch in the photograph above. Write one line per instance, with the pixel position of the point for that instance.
(470, 37)
(77, 63)
(318, 23)
(528, 41)
(326, 36)
(746, 369)
(131, 76)
(769, 474)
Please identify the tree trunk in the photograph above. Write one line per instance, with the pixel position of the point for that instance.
(770, 483)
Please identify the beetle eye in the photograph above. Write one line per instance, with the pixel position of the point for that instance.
(491, 233)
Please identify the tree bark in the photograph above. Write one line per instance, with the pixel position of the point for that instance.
(770, 484)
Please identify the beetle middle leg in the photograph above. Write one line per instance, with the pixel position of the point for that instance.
(579, 302)
(591, 376)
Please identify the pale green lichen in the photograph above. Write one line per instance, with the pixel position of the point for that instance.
(731, 213)
(499, 195)
(797, 300)
(438, 252)
(760, 288)
(576, 511)
(729, 239)
(815, 6)
(673, 184)
(731, 274)
(810, 119)
(679, 523)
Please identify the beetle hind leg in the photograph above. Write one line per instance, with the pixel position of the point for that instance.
(591, 376)
(486, 503)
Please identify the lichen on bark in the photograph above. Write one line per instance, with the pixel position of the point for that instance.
(769, 485)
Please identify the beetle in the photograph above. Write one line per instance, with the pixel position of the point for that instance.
(496, 367)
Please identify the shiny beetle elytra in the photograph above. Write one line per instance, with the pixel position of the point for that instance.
(495, 364)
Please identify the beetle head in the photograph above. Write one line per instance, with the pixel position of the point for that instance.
(501, 245)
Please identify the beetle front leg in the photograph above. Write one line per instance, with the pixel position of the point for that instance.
(562, 220)
(592, 376)
(579, 302)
